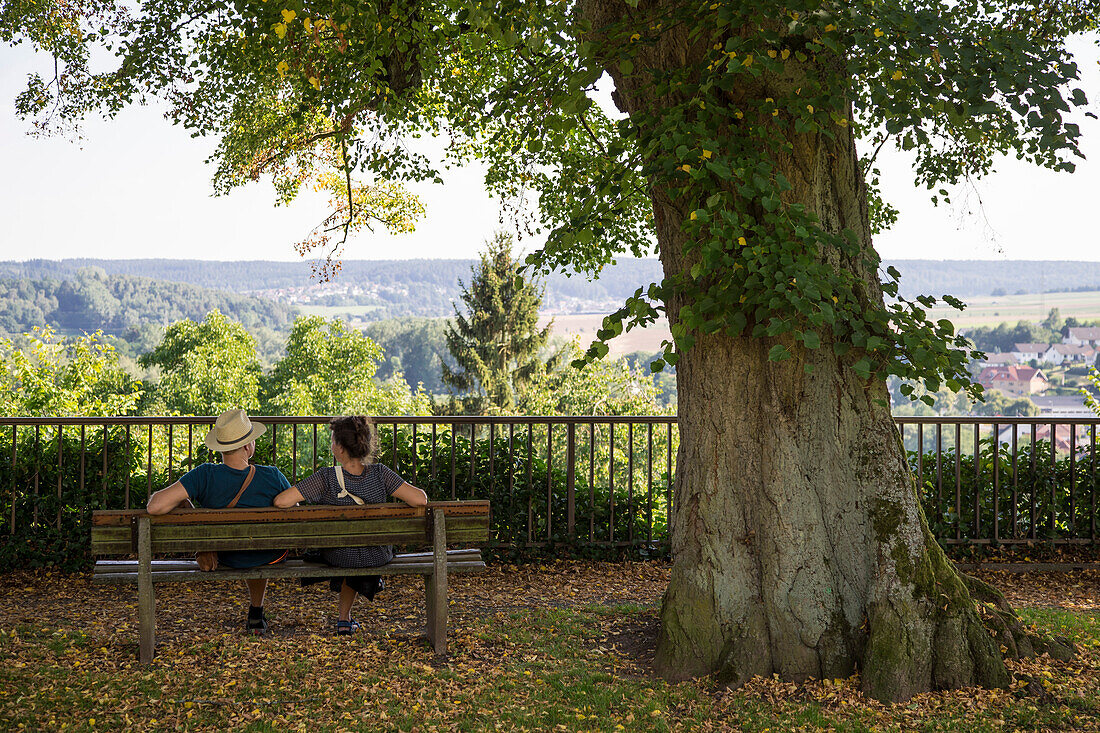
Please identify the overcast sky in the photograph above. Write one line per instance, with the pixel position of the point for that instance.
(137, 187)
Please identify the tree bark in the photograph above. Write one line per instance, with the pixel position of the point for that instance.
(799, 543)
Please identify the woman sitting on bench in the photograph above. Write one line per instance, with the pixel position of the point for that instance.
(356, 480)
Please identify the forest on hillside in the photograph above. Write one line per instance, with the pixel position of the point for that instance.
(89, 300)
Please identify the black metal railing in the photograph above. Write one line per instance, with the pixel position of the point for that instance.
(588, 481)
(585, 481)
(1005, 480)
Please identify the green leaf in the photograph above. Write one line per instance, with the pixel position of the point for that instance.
(779, 352)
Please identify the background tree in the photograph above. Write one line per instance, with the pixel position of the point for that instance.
(44, 375)
(329, 369)
(998, 403)
(799, 543)
(205, 368)
(496, 343)
(413, 348)
(609, 387)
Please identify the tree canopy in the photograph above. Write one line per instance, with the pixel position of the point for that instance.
(206, 367)
(42, 375)
(330, 369)
(316, 93)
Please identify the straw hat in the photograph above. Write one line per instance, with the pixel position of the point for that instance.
(233, 429)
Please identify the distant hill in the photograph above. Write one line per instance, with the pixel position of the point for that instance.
(383, 289)
(392, 287)
(969, 278)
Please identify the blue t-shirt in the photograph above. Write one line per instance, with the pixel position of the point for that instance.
(213, 486)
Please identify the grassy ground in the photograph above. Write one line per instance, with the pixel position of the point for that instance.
(567, 646)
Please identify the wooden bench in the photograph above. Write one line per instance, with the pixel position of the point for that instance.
(297, 529)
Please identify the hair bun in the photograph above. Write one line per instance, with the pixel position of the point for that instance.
(357, 435)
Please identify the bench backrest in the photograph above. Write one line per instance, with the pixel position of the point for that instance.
(297, 528)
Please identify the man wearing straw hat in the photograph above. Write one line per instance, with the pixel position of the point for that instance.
(233, 482)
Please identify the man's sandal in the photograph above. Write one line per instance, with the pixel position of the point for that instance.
(347, 628)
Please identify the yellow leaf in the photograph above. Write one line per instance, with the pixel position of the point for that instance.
(706, 153)
(315, 83)
(772, 53)
(307, 24)
(879, 33)
(741, 241)
(685, 167)
(786, 54)
(636, 37)
(810, 107)
(281, 67)
(739, 114)
(280, 30)
(747, 60)
(289, 15)
(830, 28)
(897, 75)
(693, 217)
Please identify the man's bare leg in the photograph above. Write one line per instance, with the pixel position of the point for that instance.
(256, 589)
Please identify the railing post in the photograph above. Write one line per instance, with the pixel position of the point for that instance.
(570, 481)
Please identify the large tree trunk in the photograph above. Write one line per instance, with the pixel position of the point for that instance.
(799, 544)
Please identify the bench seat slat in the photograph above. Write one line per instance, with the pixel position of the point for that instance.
(124, 546)
(115, 566)
(173, 571)
(453, 509)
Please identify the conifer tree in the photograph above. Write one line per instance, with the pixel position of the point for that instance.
(496, 343)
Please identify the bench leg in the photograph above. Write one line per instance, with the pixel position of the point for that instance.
(437, 586)
(146, 600)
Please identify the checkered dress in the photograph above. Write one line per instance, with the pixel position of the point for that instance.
(374, 486)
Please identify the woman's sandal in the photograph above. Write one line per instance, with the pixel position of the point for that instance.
(347, 628)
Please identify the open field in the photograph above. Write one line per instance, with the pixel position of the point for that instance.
(563, 646)
(991, 311)
(585, 326)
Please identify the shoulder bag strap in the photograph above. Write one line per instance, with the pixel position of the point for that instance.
(247, 481)
(344, 489)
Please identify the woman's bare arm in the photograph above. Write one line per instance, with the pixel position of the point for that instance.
(289, 497)
(411, 495)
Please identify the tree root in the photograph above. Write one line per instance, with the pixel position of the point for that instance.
(1006, 627)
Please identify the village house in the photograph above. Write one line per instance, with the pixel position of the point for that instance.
(1082, 337)
(1026, 352)
(1014, 381)
(1069, 354)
